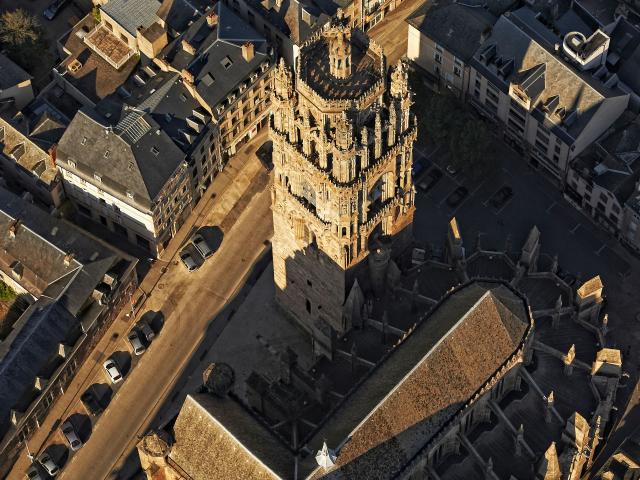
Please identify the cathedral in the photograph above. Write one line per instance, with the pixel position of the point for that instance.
(342, 140)
(368, 357)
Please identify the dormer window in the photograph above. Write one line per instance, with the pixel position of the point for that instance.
(97, 177)
(84, 141)
(155, 151)
(106, 154)
(71, 163)
(226, 62)
(130, 194)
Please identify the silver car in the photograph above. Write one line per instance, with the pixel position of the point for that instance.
(71, 435)
(48, 464)
(202, 246)
(33, 473)
(136, 344)
(112, 370)
(188, 261)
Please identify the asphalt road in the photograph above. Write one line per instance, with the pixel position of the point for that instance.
(193, 301)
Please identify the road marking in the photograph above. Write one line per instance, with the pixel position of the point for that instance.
(551, 206)
(599, 251)
(573, 230)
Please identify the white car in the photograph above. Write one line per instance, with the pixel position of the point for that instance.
(71, 436)
(112, 370)
(202, 246)
(48, 464)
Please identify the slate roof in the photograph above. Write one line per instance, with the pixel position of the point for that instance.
(215, 48)
(131, 14)
(63, 292)
(178, 14)
(455, 26)
(10, 73)
(130, 164)
(529, 44)
(21, 149)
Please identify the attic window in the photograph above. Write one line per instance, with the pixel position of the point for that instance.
(71, 163)
(226, 62)
(183, 97)
(84, 141)
(1, 134)
(155, 151)
(106, 154)
(97, 177)
(18, 151)
(130, 165)
(208, 80)
(129, 194)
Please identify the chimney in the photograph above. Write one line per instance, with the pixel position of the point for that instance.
(67, 259)
(187, 47)
(13, 228)
(247, 51)
(212, 19)
(53, 154)
(187, 76)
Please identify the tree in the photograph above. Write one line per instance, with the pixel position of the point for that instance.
(17, 28)
(21, 35)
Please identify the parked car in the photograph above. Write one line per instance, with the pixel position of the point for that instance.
(71, 436)
(53, 9)
(92, 401)
(145, 330)
(135, 342)
(34, 473)
(451, 170)
(430, 180)
(48, 464)
(501, 197)
(188, 261)
(458, 195)
(202, 246)
(111, 367)
(417, 168)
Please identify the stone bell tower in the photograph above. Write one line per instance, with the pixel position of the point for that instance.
(342, 153)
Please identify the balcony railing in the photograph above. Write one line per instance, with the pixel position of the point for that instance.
(102, 41)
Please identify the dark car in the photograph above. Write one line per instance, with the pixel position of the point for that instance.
(53, 9)
(417, 168)
(458, 195)
(430, 179)
(92, 401)
(501, 197)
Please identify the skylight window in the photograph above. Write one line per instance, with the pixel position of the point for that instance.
(155, 151)
(226, 62)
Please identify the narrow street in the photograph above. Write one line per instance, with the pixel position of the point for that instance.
(188, 302)
(391, 32)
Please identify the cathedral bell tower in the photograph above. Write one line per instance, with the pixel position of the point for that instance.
(343, 138)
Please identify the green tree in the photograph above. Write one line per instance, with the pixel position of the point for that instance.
(6, 293)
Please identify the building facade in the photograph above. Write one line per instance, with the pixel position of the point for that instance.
(140, 176)
(226, 67)
(342, 153)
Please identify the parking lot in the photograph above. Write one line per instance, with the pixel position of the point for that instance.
(509, 202)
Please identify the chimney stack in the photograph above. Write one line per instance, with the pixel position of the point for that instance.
(212, 19)
(248, 51)
(187, 47)
(52, 154)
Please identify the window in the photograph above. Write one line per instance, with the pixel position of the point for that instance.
(155, 151)
(226, 62)
(129, 194)
(308, 305)
(97, 177)
(84, 141)
(457, 71)
(478, 84)
(437, 57)
(71, 163)
(106, 154)
(309, 283)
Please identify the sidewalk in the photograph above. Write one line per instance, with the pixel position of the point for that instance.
(67, 403)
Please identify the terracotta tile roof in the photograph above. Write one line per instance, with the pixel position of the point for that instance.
(205, 449)
(433, 374)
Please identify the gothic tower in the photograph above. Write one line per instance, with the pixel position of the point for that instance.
(342, 151)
